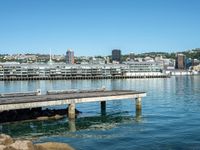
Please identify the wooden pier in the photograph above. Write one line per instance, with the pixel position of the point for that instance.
(14, 101)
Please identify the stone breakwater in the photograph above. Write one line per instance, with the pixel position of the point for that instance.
(8, 143)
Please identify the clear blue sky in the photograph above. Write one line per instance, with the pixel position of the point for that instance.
(95, 27)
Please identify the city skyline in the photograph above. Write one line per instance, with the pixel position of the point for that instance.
(97, 27)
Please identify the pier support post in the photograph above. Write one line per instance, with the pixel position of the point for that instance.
(138, 105)
(103, 107)
(71, 111)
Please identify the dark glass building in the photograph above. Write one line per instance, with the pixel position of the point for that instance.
(180, 61)
(70, 57)
(116, 55)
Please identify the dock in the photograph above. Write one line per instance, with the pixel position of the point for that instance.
(15, 101)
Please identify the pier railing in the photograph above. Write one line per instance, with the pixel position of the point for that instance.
(21, 94)
(53, 92)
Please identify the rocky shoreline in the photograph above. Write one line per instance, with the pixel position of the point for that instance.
(8, 143)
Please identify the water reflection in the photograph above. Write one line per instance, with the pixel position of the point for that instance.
(72, 125)
(34, 129)
(138, 115)
(169, 119)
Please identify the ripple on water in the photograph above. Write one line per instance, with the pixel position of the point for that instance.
(170, 116)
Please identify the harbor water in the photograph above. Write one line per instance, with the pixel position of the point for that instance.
(170, 115)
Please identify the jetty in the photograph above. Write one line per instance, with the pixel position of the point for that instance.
(29, 100)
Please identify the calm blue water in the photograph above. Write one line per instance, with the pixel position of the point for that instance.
(170, 116)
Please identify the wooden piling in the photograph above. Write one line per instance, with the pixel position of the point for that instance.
(138, 106)
(71, 111)
(103, 107)
(138, 103)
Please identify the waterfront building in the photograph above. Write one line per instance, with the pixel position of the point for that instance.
(195, 62)
(79, 70)
(196, 68)
(139, 59)
(188, 63)
(107, 60)
(167, 63)
(116, 55)
(180, 61)
(148, 59)
(158, 58)
(96, 60)
(1, 71)
(175, 72)
(70, 57)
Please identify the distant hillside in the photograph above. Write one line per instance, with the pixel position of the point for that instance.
(194, 54)
(155, 54)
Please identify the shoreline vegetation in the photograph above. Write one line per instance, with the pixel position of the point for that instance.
(8, 143)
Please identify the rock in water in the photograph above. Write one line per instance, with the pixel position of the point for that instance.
(5, 139)
(58, 117)
(3, 147)
(22, 145)
(53, 146)
(7, 143)
(42, 118)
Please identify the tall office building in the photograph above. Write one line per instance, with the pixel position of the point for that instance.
(116, 55)
(70, 57)
(180, 61)
(131, 56)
